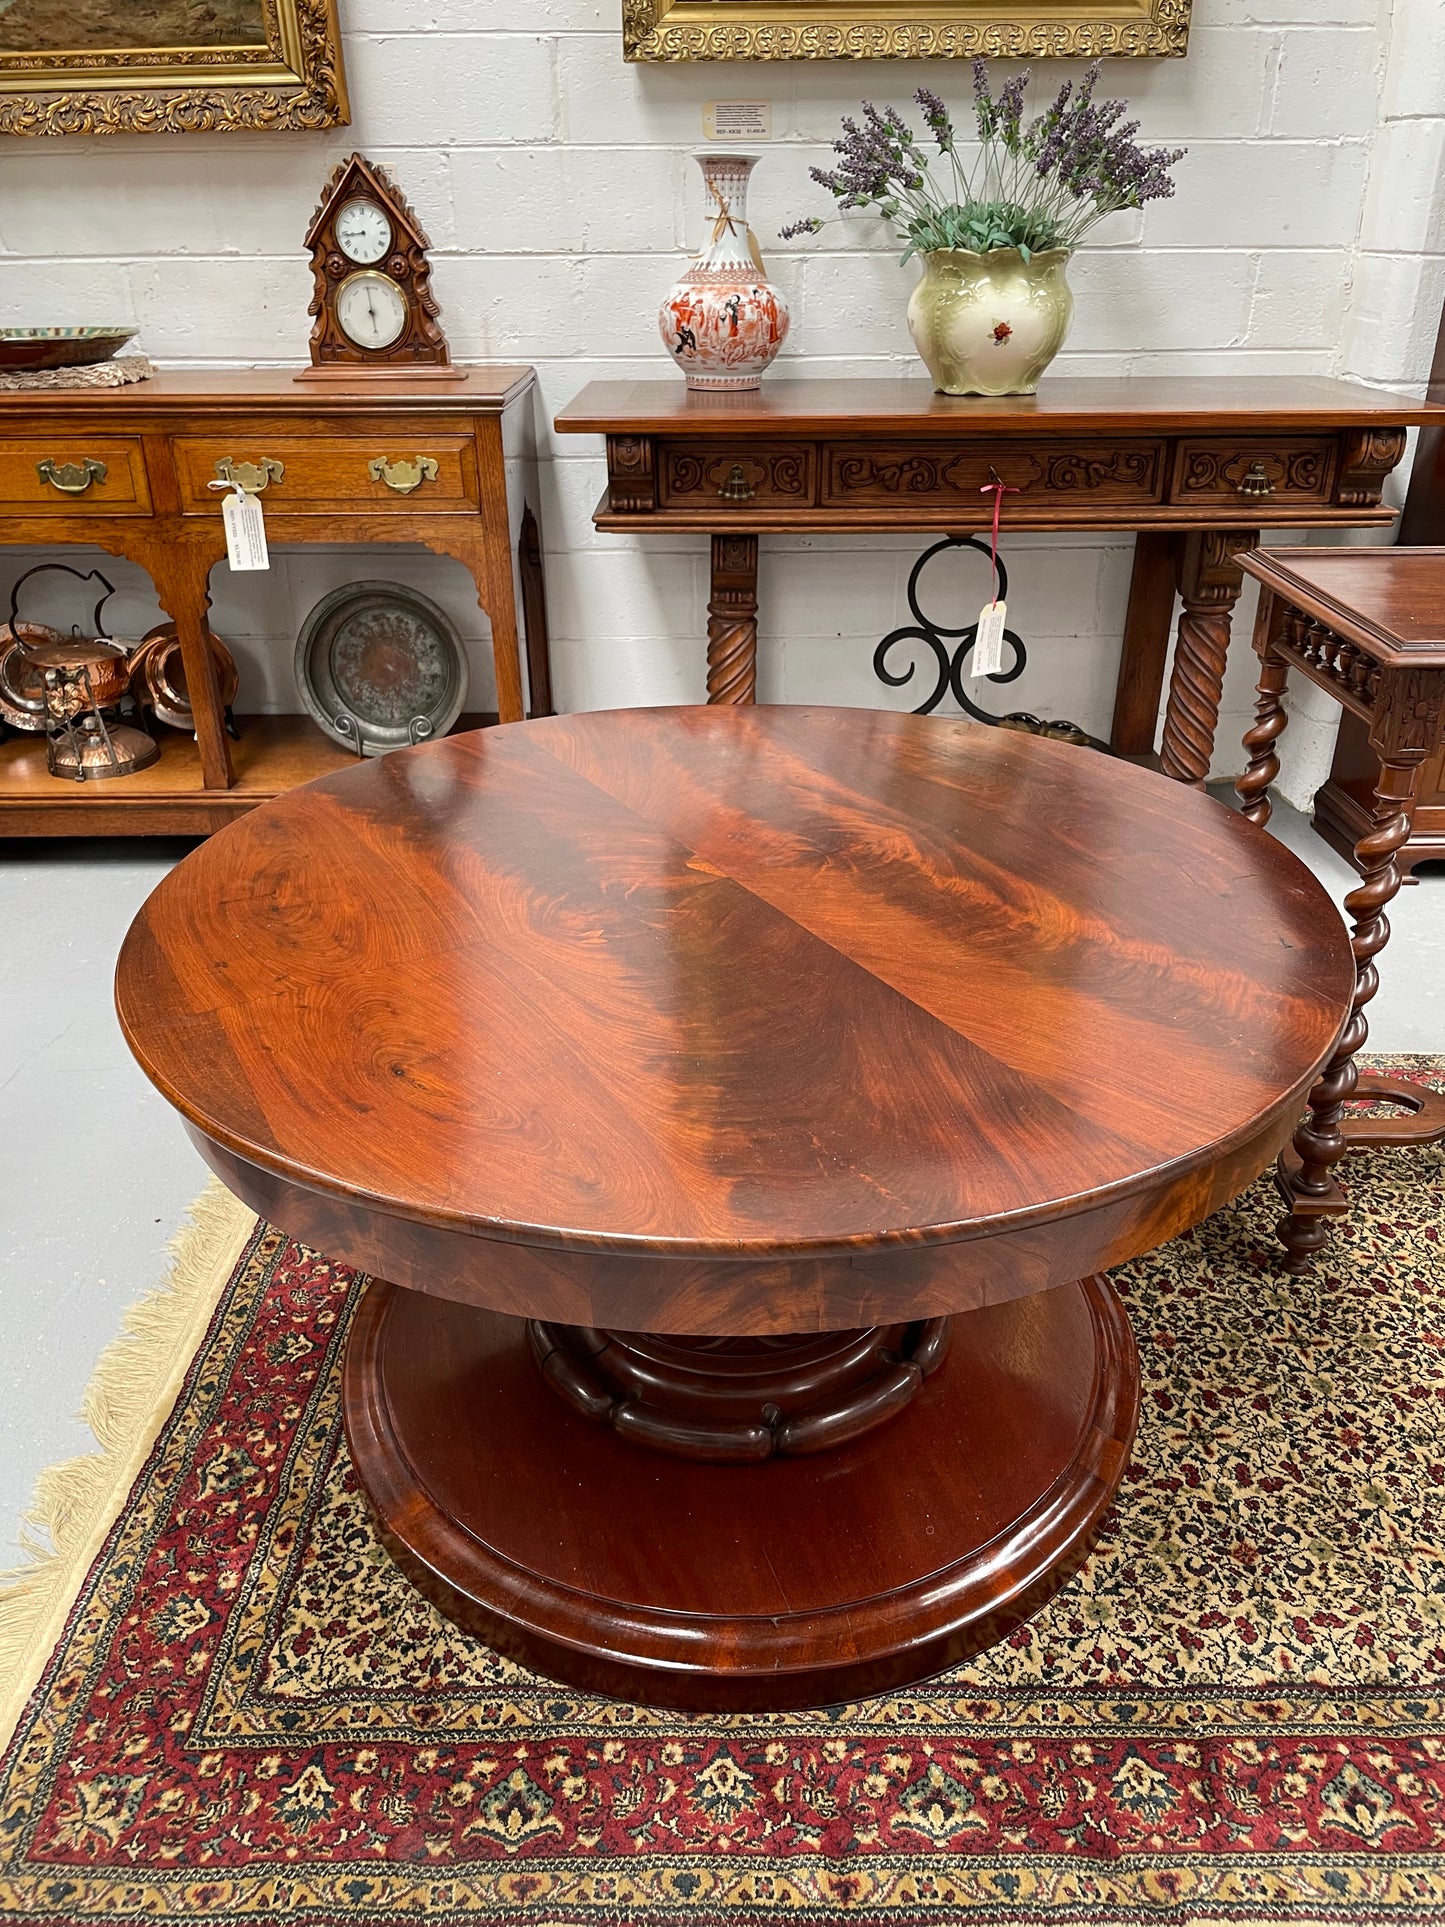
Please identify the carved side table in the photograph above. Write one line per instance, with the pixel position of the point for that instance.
(1196, 466)
(1368, 627)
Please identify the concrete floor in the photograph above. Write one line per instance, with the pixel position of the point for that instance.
(97, 1171)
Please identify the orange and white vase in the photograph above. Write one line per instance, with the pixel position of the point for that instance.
(724, 322)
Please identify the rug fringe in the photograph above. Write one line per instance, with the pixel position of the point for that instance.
(130, 1395)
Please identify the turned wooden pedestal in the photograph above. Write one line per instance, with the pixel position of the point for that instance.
(734, 1109)
(882, 1553)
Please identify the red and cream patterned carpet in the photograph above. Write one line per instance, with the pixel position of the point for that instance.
(1235, 1713)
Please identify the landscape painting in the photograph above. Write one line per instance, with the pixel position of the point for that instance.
(31, 26)
(169, 66)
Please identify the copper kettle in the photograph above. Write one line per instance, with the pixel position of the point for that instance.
(48, 677)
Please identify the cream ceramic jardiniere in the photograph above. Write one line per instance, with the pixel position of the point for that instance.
(989, 324)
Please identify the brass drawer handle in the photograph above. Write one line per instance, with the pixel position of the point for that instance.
(250, 476)
(402, 476)
(737, 487)
(1255, 482)
(71, 478)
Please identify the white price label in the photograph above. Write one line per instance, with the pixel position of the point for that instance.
(738, 120)
(987, 657)
(245, 532)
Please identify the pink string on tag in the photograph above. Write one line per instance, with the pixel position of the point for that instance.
(998, 490)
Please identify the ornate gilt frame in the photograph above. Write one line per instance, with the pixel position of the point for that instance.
(901, 29)
(295, 80)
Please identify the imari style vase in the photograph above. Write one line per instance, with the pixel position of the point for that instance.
(989, 324)
(724, 322)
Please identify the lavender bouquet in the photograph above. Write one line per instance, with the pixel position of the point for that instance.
(1032, 187)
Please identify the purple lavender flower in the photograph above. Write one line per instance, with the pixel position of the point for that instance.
(1080, 161)
(937, 117)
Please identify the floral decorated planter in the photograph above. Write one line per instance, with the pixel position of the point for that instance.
(989, 324)
(994, 226)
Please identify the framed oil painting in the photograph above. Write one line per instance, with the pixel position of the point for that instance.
(169, 66)
(900, 29)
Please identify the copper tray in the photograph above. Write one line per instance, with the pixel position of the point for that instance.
(28, 350)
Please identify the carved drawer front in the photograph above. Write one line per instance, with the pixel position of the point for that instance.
(73, 473)
(707, 474)
(875, 474)
(1258, 469)
(396, 471)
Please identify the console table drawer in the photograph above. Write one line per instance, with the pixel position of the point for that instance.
(1254, 470)
(877, 474)
(64, 474)
(380, 474)
(694, 474)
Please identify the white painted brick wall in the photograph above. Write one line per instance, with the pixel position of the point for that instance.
(1308, 236)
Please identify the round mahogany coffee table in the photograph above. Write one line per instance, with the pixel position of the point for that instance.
(740, 1105)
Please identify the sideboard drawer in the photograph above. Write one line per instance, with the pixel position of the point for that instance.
(875, 474)
(69, 474)
(329, 474)
(778, 474)
(1254, 470)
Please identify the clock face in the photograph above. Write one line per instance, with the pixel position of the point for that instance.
(371, 309)
(363, 233)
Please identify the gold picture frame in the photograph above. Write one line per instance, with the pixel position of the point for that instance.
(902, 29)
(258, 64)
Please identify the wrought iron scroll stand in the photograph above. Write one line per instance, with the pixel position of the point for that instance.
(952, 662)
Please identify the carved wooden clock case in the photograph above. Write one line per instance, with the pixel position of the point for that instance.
(375, 314)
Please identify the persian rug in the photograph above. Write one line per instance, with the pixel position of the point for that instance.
(1235, 1713)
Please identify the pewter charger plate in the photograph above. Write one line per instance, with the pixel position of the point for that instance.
(379, 666)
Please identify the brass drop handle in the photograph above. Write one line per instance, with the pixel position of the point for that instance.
(71, 478)
(402, 476)
(1255, 481)
(737, 487)
(251, 477)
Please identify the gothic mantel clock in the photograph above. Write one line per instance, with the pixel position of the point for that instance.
(375, 314)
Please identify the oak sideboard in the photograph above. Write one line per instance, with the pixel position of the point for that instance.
(128, 470)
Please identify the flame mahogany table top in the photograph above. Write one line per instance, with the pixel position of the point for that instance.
(735, 983)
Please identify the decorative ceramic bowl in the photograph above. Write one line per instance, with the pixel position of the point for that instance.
(31, 349)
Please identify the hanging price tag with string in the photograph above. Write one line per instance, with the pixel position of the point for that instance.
(988, 645)
(245, 525)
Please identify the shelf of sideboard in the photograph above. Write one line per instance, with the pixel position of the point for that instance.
(274, 754)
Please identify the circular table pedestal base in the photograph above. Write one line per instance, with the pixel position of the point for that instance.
(788, 1582)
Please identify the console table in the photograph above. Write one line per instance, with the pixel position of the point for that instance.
(127, 470)
(1196, 466)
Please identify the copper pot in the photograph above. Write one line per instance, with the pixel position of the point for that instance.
(158, 676)
(22, 689)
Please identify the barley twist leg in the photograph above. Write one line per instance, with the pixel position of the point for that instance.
(732, 625)
(1306, 1179)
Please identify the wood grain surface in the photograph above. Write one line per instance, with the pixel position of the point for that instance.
(756, 984)
(748, 1022)
(1065, 405)
(795, 1582)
